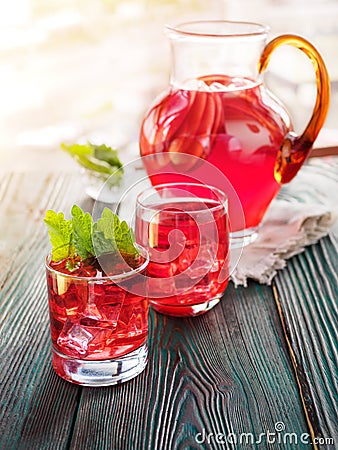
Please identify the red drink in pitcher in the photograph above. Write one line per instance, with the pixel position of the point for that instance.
(231, 123)
(218, 109)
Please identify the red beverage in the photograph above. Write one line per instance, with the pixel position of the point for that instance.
(188, 270)
(93, 317)
(233, 124)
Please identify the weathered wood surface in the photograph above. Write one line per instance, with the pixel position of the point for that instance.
(229, 371)
(36, 409)
(307, 294)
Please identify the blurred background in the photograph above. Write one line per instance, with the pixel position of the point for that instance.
(74, 70)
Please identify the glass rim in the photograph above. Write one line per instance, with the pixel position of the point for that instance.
(186, 29)
(144, 253)
(222, 197)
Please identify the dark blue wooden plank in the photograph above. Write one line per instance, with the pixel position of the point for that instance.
(226, 372)
(37, 407)
(307, 293)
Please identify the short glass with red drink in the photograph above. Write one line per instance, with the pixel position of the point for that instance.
(184, 227)
(99, 323)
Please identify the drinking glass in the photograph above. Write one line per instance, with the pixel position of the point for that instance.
(99, 325)
(184, 227)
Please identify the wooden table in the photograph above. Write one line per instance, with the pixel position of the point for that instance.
(257, 371)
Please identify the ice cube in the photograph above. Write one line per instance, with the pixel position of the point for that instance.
(203, 262)
(187, 257)
(197, 261)
(161, 270)
(92, 311)
(75, 338)
(75, 298)
(195, 85)
(72, 303)
(101, 340)
(183, 283)
(161, 287)
(134, 314)
(109, 301)
(199, 268)
(216, 86)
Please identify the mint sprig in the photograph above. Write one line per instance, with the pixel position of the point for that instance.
(115, 232)
(82, 226)
(81, 236)
(60, 234)
(100, 159)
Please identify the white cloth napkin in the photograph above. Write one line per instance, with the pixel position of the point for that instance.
(304, 211)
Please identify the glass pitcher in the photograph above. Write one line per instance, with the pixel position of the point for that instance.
(217, 109)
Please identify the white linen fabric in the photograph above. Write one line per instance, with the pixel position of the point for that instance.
(303, 212)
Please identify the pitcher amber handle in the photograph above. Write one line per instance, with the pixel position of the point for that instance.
(295, 149)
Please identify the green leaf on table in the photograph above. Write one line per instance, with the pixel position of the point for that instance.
(61, 235)
(100, 159)
(90, 163)
(107, 154)
(78, 149)
(82, 232)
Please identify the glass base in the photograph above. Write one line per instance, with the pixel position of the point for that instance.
(101, 373)
(177, 310)
(243, 238)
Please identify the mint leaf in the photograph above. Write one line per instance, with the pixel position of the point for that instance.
(103, 234)
(84, 155)
(78, 149)
(115, 234)
(108, 224)
(61, 236)
(82, 232)
(101, 244)
(100, 159)
(90, 163)
(125, 240)
(81, 237)
(107, 154)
